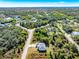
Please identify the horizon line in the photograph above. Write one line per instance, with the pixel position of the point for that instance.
(38, 4)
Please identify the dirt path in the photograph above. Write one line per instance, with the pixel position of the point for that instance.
(68, 37)
(27, 42)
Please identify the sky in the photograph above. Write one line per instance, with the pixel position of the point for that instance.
(39, 3)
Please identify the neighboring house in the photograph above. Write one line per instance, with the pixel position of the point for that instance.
(2, 16)
(41, 47)
(14, 16)
(8, 18)
(33, 19)
(75, 33)
(6, 24)
(2, 25)
(17, 16)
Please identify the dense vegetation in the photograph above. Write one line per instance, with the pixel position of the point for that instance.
(45, 21)
(11, 37)
(60, 47)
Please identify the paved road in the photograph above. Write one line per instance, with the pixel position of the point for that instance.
(27, 42)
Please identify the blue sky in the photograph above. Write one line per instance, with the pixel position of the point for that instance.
(39, 3)
(40, 0)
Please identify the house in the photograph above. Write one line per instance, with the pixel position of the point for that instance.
(34, 19)
(75, 33)
(8, 18)
(2, 25)
(2, 16)
(41, 47)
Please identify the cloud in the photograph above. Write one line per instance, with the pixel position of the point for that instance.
(31, 4)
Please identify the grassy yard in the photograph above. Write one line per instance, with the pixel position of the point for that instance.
(33, 53)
